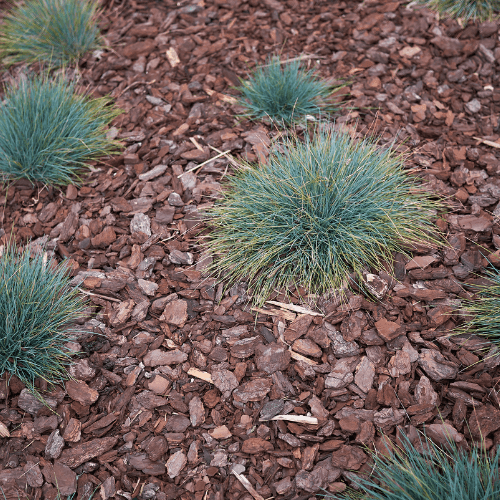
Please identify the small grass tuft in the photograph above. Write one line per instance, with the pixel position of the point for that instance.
(483, 309)
(48, 131)
(58, 32)
(441, 473)
(318, 210)
(467, 10)
(285, 92)
(38, 309)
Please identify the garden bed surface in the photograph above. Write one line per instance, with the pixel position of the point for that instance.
(178, 378)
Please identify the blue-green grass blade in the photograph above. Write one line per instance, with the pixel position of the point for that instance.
(317, 211)
(38, 314)
(468, 10)
(48, 132)
(58, 32)
(285, 92)
(431, 472)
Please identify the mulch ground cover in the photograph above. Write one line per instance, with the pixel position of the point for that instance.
(178, 379)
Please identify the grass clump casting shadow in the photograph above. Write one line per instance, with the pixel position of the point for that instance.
(439, 473)
(318, 210)
(58, 32)
(285, 92)
(467, 10)
(38, 309)
(48, 131)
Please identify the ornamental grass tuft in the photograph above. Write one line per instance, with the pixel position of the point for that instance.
(48, 131)
(285, 92)
(441, 473)
(483, 309)
(318, 210)
(467, 10)
(58, 32)
(38, 309)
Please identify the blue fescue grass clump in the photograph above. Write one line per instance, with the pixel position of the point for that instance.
(483, 309)
(318, 210)
(440, 473)
(38, 310)
(58, 32)
(48, 131)
(284, 92)
(467, 10)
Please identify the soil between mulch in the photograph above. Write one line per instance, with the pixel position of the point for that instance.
(134, 423)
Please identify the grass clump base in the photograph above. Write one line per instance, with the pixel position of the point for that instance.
(405, 473)
(284, 92)
(318, 210)
(48, 131)
(38, 309)
(467, 10)
(58, 32)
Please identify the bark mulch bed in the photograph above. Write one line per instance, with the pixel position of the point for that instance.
(176, 387)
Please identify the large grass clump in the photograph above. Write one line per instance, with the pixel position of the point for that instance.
(58, 32)
(48, 131)
(467, 10)
(284, 92)
(483, 309)
(440, 473)
(318, 210)
(38, 309)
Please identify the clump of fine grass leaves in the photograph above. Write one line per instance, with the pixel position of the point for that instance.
(473, 10)
(318, 210)
(482, 310)
(58, 32)
(437, 473)
(38, 310)
(285, 92)
(48, 131)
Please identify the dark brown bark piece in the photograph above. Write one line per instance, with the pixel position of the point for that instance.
(389, 330)
(349, 457)
(81, 392)
(484, 421)
(272, 358)
(255, 390)
(436, 366)
(256, 445)
(84, 452)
